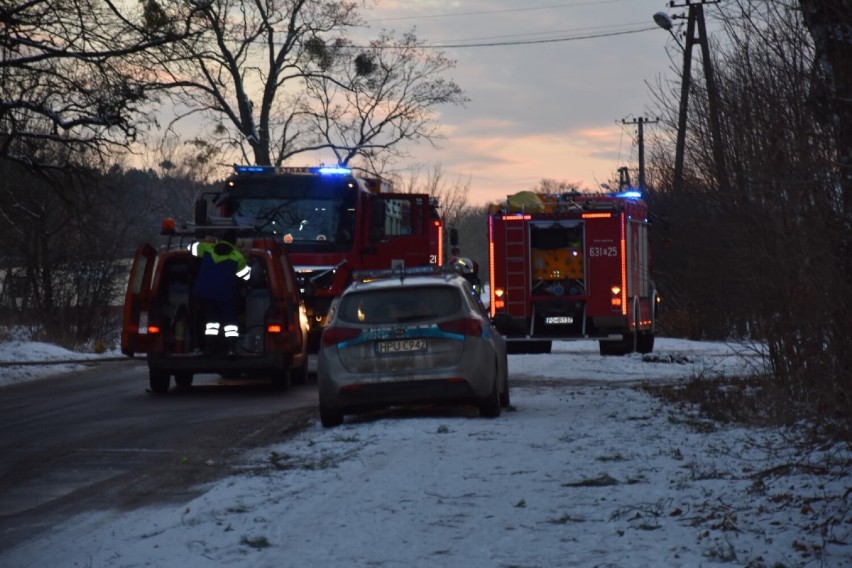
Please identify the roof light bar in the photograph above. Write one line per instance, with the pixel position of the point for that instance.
(321, 170)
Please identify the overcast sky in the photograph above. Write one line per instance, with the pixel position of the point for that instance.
(552, 109)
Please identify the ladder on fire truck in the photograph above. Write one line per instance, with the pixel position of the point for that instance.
(517, 267)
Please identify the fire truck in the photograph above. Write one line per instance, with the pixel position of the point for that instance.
(571, 266)
(332, 223)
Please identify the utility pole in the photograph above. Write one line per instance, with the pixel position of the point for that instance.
(695, 18)
(640, 122)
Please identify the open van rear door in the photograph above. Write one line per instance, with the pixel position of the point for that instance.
(134, 329)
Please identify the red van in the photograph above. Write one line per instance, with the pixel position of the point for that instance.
(164, 320)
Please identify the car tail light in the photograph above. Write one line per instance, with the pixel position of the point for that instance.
(467, 326)
(334, 335)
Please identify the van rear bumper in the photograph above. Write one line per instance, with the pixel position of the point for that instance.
(222, 363)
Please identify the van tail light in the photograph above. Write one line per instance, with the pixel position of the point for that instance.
(152, 325)
(466, 326)
(334, 335)
(276, 322)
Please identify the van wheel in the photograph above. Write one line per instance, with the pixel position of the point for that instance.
(281, 380)
(159, 381)
(300, 374)
(183, 380)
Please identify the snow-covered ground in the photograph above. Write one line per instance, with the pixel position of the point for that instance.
(30, 353)
(584, 470)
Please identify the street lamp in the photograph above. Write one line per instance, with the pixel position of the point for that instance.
(666, 22)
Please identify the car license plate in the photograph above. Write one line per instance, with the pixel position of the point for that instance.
(401, 346)
(558, 320)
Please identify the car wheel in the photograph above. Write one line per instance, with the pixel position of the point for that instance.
(489, 407)
(159, 381)
(183, 380)
(505, 399)
(330, 417)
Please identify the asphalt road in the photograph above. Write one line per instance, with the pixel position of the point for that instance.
(97, 439)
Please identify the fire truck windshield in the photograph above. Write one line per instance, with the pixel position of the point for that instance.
(309, 212)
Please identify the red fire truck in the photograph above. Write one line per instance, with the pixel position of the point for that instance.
(331, 223)
(572, 266)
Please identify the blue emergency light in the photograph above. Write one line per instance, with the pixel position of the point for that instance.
(630, 194)
(333, 171)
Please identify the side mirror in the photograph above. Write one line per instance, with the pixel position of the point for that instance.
(454, 236)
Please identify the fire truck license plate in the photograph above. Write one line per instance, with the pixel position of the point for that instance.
(401, 346)
(557, 320)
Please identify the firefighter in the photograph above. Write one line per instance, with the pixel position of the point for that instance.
(223, 269)
(459, 263)
(470, 270)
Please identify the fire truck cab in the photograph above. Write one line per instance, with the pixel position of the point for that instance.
(165, 320)
(572, 266)
(332, 223)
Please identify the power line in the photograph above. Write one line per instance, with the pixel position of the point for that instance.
(530, 42)
(505, 10)
(590, 29)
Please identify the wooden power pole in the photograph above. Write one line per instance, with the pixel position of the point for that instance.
(640, 123)
(695, 19)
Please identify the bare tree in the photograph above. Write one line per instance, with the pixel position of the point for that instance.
(375, 98)
(66, 84)
(282, 77)
(62, 238)
(828, 22)
(765, 257)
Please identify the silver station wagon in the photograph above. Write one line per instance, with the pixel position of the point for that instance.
(415, 337)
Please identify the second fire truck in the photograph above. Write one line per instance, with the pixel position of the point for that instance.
(572, 266)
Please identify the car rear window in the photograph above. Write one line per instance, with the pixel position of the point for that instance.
(399, 305)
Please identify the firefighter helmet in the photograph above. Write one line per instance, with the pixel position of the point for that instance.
(463, 265)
